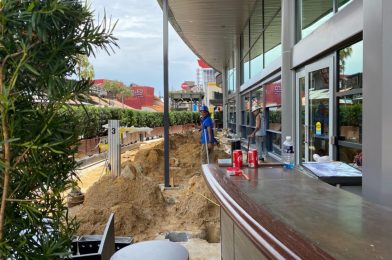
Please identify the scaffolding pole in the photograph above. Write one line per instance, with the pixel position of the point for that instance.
(166, 91)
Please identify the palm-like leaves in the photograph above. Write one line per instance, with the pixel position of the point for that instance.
(40, 42)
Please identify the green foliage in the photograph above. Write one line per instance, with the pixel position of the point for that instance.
(275, 116)
(85, 68)
(116, 89)
(350, 115)
(40, 45)
(91, 119)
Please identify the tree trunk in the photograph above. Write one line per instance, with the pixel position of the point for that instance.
(6, 156)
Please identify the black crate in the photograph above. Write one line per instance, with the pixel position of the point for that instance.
(74, 246)
(89, 244)
(121, 242)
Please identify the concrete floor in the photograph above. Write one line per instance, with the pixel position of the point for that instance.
(200, 249)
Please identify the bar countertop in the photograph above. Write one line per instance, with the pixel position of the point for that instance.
(287, 214)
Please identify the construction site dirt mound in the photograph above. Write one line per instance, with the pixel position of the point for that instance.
(197, 205)
(141, 209)
(136, 204)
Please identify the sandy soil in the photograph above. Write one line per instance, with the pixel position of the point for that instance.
(141, 209)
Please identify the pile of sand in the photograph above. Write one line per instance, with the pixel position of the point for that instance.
(138, 205)
(197, 205)
(141, 208)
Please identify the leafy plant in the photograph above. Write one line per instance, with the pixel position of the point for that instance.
(40, 45)
(350, 115)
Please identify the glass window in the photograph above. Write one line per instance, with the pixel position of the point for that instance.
(272, 35)
(245, 108)
(350, 101)
(350, 155)
(273, 102)
(275, 143)
(351, 67)
(256, 62)
(231, 120)
(273, 94)
(231, 75)
(256, 22)
(313, 14)
(275, 118)
(256, 101)
(350, 118)
(245, 41)
(245, 65)
(343, 3)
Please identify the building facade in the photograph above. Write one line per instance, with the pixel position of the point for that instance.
(142, 96)
(318, 68)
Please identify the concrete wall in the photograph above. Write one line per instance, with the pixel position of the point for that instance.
(377, 105)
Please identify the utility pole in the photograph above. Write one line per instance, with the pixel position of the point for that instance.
(166, 91)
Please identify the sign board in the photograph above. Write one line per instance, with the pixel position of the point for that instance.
(114, 147)
(318, 128)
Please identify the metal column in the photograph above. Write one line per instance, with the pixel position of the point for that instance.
(166, 91)
(114, 147)
(288, 76)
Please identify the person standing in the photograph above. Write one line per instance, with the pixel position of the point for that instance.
(207, 139)
(259, 132)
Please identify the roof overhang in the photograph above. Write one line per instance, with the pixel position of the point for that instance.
(210, 27)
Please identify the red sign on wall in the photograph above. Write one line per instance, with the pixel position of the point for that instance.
(273, 94)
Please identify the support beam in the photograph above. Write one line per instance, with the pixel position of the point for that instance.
(237, 64)
(377, 105)
(166, 91)
(288, 76)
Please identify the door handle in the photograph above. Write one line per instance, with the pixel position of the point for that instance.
(333, 139)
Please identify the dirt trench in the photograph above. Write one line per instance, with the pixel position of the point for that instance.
(141, 208)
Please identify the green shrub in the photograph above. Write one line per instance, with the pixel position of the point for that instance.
(91, 119)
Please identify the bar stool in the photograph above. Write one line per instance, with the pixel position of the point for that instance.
(152, 250)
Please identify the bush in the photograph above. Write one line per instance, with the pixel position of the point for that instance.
(91, 119)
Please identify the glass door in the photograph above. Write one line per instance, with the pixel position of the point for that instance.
(315, 110)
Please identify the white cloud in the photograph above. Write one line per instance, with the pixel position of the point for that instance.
(140, 57)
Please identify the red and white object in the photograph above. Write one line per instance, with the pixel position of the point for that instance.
(252, 158)
(237, 158)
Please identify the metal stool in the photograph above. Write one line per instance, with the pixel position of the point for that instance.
(152, 250)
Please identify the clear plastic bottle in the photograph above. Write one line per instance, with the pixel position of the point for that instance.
(288, 153)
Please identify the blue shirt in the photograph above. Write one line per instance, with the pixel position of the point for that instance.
(207, 122)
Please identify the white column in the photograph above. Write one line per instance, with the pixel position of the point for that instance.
(114, 147)
(377, 105)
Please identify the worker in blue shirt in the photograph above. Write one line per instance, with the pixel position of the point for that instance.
(207, 135)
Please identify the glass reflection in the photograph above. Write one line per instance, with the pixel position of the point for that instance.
(314, 13)
(275, 118)
(319, 112)
(245, 69)
(272, 35)
(350, 118)
(351, 67)
(350, 155)
(343, 3)
(256, 63)
(302, 128)
(275, 143)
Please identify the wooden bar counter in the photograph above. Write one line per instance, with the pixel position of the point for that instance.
(285, 214)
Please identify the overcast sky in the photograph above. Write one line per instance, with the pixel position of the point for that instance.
(139, 59)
